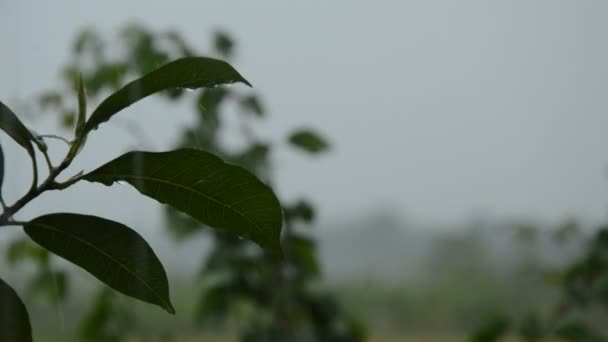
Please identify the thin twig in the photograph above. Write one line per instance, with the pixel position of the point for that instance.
(57, 137)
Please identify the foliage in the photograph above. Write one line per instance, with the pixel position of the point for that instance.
(274, 299)
(583, 304)
(216, 193)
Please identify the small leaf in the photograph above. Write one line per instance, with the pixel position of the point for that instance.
(223, 44)
(111, 251)
(301, 210)
(308, 141)
(189, 72)
(200, 184)
(303, 254)
(14, 319)
(10, 124)
(252, 104)
(82, 107)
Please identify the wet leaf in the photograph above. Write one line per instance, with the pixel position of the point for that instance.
(14, 319)
(198, 183)
(189, 72)
(308, 141)
(10, 124)
(111, 251)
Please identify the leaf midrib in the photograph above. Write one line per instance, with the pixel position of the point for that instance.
(100, 251)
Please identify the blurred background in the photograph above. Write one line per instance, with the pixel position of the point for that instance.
(450, 185)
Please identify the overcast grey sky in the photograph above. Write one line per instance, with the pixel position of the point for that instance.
(441, 110)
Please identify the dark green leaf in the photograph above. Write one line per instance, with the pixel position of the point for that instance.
(223, 43)
(301, 210)
(200, 184)
(303, 254)
(15, 129)
(1, 170)
(308, 141)
(14, 319)
(493, 329)
(111, 251)
(68, 119)
(189, 72)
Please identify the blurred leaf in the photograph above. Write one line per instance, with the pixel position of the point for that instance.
(53, 284)
(566, 231)
(209, 102)
(254, 158)
(88, 40)
(198, 183)
(308, 141)
(111, 251)
(301, 210)
(107, 320)
(530, 329)
(181, 225)
(214, 303)
(303, 254)
(224, 44)
(68, 119)
(189, 72)
(14, 319)
(10, 124)
(94, 321)
(21, 249)
(107, 75)
(50, 100)
(183, 48)
(493, 329)
(577, 331)
(252, 104)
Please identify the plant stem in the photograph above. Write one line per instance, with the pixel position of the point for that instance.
(54, 136)
(35, 191)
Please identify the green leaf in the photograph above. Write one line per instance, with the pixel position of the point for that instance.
(200, 184)
(493, 329)
(23, 249)
(252, 104)
(82, 107)
(52, 284)
(111, 251)
(10, 124)
(303, 254)
(308, 141)
(189, 72)
(301, 210)
(14, 319)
